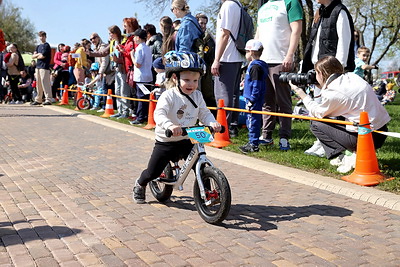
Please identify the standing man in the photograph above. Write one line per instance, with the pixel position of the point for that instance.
(105, 71)
(228, 61)
(207, 83)
(279, 29)
(43, 55)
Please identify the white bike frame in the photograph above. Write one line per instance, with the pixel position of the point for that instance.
(197, 155)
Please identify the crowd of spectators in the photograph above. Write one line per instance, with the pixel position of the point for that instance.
(131, 62)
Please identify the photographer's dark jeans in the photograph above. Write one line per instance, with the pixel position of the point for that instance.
(335, 138)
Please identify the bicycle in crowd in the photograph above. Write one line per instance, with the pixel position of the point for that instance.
(211, 190)
(86, 101)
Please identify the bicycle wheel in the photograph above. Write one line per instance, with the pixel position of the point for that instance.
(217, 192)
(7, 98)
(162, 192)
(83, 103)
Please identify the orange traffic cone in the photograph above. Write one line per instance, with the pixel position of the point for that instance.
(152, 106)
(109, 106)
(78, 96)
(367, 171)
(64, 100)
(221, 139)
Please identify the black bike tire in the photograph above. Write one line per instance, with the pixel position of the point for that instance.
(162, 192)
(213, 217)
(83, 104)
(7, 99)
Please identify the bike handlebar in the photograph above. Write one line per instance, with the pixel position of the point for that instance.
(168, 132)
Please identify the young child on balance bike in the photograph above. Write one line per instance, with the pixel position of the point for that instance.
(180, 106)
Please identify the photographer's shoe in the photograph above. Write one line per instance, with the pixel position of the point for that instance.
(348, 163)
(248, 148)
(316, 150)
(139, 193)
(284, 144)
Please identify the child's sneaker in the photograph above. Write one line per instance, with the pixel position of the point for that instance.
(249, 147)
(139, 193)
(266, 141)
(284, 144)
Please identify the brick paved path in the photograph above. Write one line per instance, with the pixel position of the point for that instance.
(65, 199)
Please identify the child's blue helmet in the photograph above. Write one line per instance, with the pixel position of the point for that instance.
(95, 66)
(176, 61)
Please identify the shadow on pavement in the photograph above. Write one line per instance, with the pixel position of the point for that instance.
(38, 115)
(258, 217)
(10, 236)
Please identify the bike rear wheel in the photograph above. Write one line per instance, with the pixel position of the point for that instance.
(83, 103)
(7, 98)
(161, 191)
(217, 191)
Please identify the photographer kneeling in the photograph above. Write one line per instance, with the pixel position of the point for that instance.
(343, 95)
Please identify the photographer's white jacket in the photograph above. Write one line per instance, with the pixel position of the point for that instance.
(175, 108)
(347, 96)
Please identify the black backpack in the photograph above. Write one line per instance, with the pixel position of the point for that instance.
(246, 29)
(198, 43)
(21, 65)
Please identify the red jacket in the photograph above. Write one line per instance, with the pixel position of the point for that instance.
(129, 45)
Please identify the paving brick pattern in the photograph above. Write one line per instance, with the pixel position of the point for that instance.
(65, 200)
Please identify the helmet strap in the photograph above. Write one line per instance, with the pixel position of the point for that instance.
(178, 76)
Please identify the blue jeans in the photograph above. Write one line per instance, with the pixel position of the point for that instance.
(98, 98)
(253, 123)
(122, 89)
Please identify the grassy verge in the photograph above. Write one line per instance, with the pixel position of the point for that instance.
(302, 139)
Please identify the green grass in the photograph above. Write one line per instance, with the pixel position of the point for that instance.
(302, 139)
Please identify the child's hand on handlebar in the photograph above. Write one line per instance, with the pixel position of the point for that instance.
(216, 126)
(176, 130)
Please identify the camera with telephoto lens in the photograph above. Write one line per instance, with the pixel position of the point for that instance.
(299, 79)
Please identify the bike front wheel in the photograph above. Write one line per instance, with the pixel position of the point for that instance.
(83, 103)
(218, 196)
(161, 191)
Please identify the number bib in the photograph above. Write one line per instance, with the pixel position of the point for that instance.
(200, 135)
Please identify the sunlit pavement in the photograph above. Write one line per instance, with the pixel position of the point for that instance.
(65, 199)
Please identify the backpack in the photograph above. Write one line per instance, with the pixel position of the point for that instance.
(21, 64)
(246, 29)
(198, 43)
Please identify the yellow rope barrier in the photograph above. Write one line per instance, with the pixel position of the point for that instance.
(236, 109)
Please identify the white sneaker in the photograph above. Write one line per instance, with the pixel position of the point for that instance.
(320, 152)
(316, 150)
(348, 163)
(101, 110)
(19, 102)
(336, 161)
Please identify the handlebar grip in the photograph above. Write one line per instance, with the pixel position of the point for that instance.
(168, 133)
(222, 129)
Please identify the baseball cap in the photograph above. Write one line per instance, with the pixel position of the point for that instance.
(158, 63)
(141, 33)
(253, 45)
